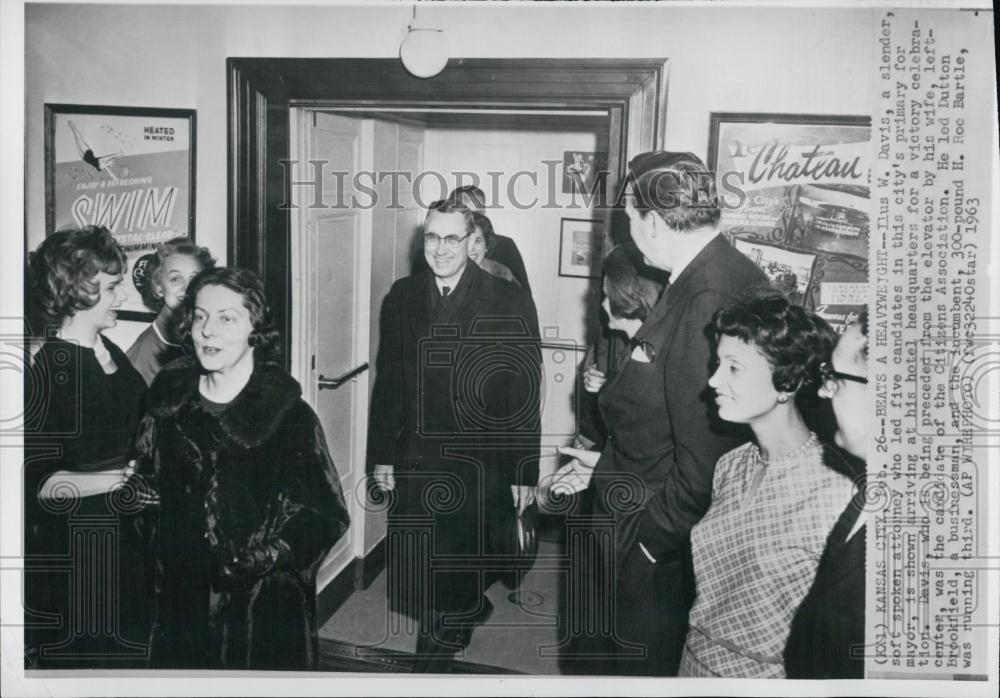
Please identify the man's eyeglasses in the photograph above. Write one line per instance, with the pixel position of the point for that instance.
(450, 241)
(828, 373)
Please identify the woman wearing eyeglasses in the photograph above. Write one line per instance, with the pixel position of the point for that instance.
(774, 500)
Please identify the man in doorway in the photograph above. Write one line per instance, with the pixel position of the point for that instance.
(454, 431)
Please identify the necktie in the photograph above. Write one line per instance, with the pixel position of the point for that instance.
(445, 290)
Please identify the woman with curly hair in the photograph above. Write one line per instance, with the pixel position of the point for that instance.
(482, 241)
(250, 502)
(78, 448)
(774, 500)
(175, 263)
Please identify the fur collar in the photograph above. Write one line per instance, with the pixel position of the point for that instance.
(250, 419)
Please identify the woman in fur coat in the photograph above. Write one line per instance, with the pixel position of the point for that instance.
(250, 502)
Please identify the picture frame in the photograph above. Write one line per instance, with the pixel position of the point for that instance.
(581, 248)
(130, 169)
(582, 171)
(794, 195)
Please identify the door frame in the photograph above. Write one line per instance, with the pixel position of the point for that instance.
(262, 90)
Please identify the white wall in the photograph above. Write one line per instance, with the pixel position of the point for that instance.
(723, 59)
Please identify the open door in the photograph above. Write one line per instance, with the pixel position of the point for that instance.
(341, 272)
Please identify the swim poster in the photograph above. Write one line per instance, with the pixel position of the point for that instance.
(128, 169)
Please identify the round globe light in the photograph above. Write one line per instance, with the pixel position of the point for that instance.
(424, 52)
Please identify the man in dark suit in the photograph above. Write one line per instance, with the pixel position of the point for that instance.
(828, 631)
(674, 222)
(454, 430)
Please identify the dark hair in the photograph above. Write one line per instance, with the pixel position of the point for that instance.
(863, 319)
(677, 186)
(469, 195)
(264, 338)
(61, 271)
(631, 293)
(486, 225)
(794, 342)
(151, 295)
(452, 206)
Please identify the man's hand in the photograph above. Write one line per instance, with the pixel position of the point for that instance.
(523, 496)
(572, 477)
(588, 459)
(594, 379)
(384, 478)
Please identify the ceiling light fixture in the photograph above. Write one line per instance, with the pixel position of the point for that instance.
(424, 51)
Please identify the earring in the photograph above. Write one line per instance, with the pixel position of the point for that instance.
(783, 398)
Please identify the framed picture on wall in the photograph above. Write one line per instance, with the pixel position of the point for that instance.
(581, 248)
(794, 191)
(581, 170)
(129, 169)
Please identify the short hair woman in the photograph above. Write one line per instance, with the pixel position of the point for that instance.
(482, 241)
(79, 444)
(774, 500)
(175, 263)
(250, 502)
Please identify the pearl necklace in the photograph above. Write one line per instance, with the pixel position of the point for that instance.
(806, 445)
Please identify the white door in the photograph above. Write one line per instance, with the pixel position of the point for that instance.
(331, 300)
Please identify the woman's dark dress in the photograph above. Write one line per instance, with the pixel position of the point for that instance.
(646, 603)
(231, 477)
(82, 419)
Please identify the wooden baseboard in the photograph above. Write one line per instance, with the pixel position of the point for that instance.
(358, 575)
(370, 566)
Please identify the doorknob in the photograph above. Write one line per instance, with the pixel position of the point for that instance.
(325, 383)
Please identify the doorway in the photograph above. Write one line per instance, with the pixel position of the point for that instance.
(484, 111)
(261, 91)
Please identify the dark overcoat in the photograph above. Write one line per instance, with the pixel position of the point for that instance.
(827, 637)
(676, 327)
(654, 478)
(455, 409)
(229, 479)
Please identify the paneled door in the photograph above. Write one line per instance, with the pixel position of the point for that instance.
(332, 247)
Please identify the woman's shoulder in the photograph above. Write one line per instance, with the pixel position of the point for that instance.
(499, 270)
(737, 454)
(143, 341)
(172, 384)
(732, 459)
(56, 352)
(837, 459)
